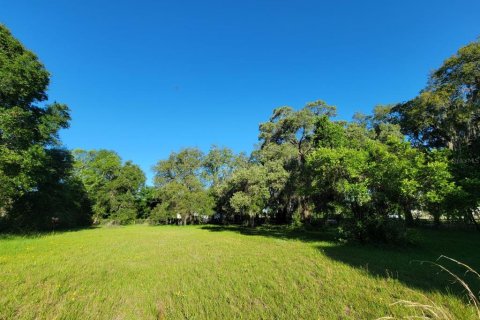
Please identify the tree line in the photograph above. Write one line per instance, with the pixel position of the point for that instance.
(373, 175)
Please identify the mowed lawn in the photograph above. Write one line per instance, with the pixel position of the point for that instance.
(209, 272)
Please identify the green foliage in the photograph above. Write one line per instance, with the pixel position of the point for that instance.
(113, 188)
(250, 191)
(181, 184)
(255, 188)
(446, 112)
(375, 229)
(369, 172)
(160, 214)
(57, 196)
(147, 200)
(35, 172)
(446, 115)
(177, 200)
(23, 79)
(290, 135)
(329, 134)
(183, 167)
(219, 164)
(307, 166)
(287, 126)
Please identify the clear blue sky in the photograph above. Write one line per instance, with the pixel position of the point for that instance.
(145, 78)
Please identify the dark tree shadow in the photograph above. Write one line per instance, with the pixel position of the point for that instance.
(41, 233)
(278, 232)
(412, 265)
(408, 264)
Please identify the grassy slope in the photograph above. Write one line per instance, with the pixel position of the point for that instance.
(142, 272)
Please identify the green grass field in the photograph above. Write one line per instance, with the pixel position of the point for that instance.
(195, 272)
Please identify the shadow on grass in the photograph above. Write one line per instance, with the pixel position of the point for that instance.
(279, 232)
(38, 234)
(406, 264)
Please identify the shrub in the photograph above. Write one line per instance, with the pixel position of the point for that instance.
(374, 229)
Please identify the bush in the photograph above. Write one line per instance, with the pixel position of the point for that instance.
(60, 206)
(125, 215)
(160, 215)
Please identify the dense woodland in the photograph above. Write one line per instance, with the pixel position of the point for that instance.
(374, 175)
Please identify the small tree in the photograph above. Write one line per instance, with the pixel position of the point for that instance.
(437, 185)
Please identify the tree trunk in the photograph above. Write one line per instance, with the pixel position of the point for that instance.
(472, 217)
(436, 220)
(281, 216)
(305, 214)
(251, 221)
(409, 218)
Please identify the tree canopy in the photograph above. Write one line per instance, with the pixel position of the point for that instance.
(33, 165)
(112, 186)
(374, 175)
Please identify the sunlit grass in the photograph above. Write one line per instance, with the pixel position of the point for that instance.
(144, 272)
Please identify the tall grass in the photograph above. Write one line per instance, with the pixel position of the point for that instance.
(431, 310)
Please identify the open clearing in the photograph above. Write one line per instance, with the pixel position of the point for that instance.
(210, 272)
